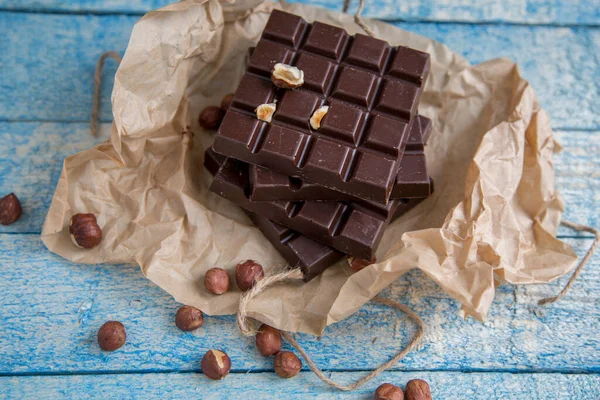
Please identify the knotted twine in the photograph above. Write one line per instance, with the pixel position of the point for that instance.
(244, 323)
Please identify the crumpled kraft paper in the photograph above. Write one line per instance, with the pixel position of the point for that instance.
(493, 216)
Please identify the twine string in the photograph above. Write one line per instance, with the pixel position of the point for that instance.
(412, 344)
(357, 17)
(582, 263)
(97, 81)
(243, 322)
(248, 329)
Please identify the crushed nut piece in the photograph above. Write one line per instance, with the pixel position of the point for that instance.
(265, 112)
(315, 120)
(287, 77)
(358, 264)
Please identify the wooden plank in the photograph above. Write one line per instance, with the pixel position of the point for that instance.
(32, 161)
(52, 309)
(444, 385)
(47, 71)
(574, 12)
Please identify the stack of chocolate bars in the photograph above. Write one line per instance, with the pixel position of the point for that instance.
(322, 145)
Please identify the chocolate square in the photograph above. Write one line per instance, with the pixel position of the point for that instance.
(326, 40)
(343, 122)
(318, 72)
(356, 86)
(368, 52)
(285, 28)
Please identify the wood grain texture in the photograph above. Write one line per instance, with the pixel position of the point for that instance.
(48, 76)
(52, 309)
(444, 386)
(34, 152)
(573, 12)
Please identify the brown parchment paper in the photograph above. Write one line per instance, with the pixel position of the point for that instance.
(493, 216)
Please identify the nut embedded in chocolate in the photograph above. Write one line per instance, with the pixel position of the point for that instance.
(287, 77)
(10, 209)
(112, 336)
(226, 102)
(247, 273)
(216, 281)
(358, 264)
(268, 340)
(265, 112)
(318, 115)
(387, 391)
(211, 117)
(417, 389)
(287, 364)
(189, 318)
(215, 364)
(84, 230)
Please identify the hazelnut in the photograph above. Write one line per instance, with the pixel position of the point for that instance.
(211, 117)
(360, 263)
(387, 391)
(85, 232)
(10, 209)
(315, 120)
(287, 77)
(188, 318)
(265, 112)
(417, 389)
(216, 280)
(268, 340)
(247, 273)
(215, 364)
(111, 336)
(226, 102)
(287, 364)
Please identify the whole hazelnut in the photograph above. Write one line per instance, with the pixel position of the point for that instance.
(188, 318)
(268, 340)
(417, 389)
(85, 232)
(216, 364)
(226, 102)
(10, 209)
(112, 336)
(216, 280)
(287, 364)
(211, 117)
(358, 264)
(387, 391)
(247, 273)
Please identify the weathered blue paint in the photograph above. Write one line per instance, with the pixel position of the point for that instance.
(444, 386)
(52, 308)
(56, 85)
(573, 12)
(34, 178)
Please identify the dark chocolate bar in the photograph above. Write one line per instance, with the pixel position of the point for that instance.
(298, 250)
(412, 180)
(371, 88)
(350, 227)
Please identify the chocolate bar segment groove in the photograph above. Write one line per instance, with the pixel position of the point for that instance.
(372, 97)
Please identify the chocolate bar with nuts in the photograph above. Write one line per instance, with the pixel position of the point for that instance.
(344, 125)
(412, 180)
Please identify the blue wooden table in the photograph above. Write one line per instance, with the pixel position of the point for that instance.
(51, 309)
